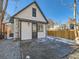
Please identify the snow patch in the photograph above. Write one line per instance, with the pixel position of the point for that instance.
(71, 42)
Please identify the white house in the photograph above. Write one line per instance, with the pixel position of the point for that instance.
(29, 23)
(51, 24)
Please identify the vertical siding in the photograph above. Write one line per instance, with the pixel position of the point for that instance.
(68, 34)
(16, 28)
(26, 30)
(27, 14)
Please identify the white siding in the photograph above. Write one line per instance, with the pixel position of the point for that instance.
(26, 30)
(16, 29)
(27, 14)
(26, 27)
(42, 34)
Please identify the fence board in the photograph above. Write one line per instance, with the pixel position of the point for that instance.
(68, 34)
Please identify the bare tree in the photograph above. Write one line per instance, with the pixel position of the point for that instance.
(1, 3)
(3, 6)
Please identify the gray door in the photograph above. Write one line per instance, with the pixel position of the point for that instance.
(34, 30)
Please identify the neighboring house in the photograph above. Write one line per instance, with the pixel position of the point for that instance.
(50, 25)
(29, 23)
(57, 27)
(7, 28)
(71, 23)
(8, 31)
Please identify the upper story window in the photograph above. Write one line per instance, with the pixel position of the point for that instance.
(33, 12)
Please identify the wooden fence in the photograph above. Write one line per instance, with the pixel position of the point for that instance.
(68, 34)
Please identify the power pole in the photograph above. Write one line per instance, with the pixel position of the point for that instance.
(75, 5)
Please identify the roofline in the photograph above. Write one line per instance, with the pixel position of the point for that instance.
(28, 6)
(27, 20)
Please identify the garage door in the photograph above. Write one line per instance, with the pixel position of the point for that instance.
(26, 31)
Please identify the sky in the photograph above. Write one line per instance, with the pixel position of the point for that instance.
(57, 10)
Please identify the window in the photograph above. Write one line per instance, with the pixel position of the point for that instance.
(33, 12)
(40, 27)
(11, 34)
(71, 26)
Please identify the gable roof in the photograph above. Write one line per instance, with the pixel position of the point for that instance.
(30, 5)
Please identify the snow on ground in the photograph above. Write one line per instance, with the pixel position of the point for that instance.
(47, 48)
(67, 41)
(44, 48)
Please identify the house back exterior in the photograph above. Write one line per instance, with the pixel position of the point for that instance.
(29, 23)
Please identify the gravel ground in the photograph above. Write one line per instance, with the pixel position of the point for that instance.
(9, 49)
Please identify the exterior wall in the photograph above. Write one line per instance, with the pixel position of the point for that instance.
(42, 34)
(26, 30)
(27, 14)
(10, 29)
(11, 26)
(71, 22)
(26, 27)
(16, 29)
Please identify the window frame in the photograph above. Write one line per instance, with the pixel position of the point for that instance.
(34, 12)
(40, 27)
